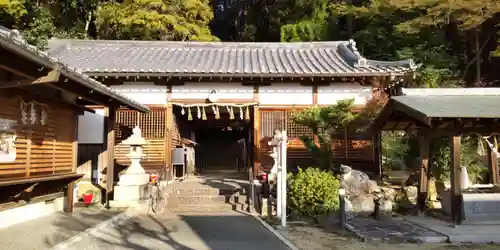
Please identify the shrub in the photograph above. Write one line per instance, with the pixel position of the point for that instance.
(313, 192)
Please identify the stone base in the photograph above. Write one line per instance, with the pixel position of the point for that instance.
(131, 193)
(127, 204)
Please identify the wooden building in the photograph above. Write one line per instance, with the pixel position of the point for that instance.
(228, 96)
(40, 100)
(452, 113)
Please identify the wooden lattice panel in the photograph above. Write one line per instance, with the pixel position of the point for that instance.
(295, 130)
(126, 120)
(270, 121)
(152, 124)
(176, 137)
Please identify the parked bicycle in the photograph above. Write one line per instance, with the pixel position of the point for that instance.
(156, 199)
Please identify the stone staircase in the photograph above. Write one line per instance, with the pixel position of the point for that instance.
(197, 194)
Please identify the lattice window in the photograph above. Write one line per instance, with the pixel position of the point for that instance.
(125, 122)
(295, 130)
(152, 124)
(270, 121)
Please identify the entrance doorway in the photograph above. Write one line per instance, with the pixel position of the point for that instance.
(223, 143)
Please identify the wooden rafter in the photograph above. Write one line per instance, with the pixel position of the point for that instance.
(51, 77)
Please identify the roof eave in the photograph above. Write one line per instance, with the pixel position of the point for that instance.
(240, 75)
(46, 62)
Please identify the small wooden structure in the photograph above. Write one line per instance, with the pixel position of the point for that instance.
(40, 100)
(435, 116)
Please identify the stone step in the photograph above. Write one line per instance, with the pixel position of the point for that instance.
(224, 207)
(197, 199)
(195, 191)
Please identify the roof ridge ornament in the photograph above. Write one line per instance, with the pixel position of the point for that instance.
(361, 61)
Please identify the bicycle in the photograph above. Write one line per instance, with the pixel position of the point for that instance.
(155, 194)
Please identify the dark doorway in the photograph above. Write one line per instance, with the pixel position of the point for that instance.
(222, 144)
(219, 148)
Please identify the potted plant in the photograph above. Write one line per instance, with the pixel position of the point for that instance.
(88, 197)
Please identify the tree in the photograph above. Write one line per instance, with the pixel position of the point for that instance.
(179, 20)
(38, 21)
(324, 122)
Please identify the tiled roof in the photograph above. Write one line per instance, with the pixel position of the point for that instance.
(12, 40)
(165, 58)
(452, 106)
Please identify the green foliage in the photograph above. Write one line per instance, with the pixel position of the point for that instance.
(324, 121)
(313, 192)
(180, 20)
(394, 150)
(468, 157)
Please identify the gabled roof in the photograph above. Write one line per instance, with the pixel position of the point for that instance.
(439, 103)
(166, 58)
(12, 41)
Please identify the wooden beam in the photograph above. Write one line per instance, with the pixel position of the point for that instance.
(51, 77)
(456, 190)
(109, 146)
(493, 167)
(424, 144)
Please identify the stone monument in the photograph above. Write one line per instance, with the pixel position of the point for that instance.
(133, 181)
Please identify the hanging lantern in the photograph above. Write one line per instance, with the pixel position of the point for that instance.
(203, 114)
(190, 116)
(241, 113)
(182, 111)
(212, 97)
(198, 112)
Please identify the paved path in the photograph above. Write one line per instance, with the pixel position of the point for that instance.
(201, 231)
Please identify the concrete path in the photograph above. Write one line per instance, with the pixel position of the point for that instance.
(45, 232)
(195, 231)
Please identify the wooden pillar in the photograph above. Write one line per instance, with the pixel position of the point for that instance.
(68, 207)
(256, 135)
(315, 94)
(424, 142)
(109, 146)
(456, 190)
(169, 119)
(493, 167)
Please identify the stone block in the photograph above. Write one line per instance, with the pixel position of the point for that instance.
(131, 193)
(481, 207)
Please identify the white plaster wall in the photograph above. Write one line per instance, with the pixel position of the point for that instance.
(201, 90)
(30, 212)
(91, 127)
(143, 92)
(341, 91)
(285, 93)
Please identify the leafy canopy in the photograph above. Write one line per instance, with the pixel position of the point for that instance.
(324, 122)
(179, 20)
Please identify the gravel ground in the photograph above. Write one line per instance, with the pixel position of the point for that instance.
(310, 237)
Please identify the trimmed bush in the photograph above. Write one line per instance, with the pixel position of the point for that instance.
(313, 192)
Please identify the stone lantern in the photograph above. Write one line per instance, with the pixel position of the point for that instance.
(133, 181)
